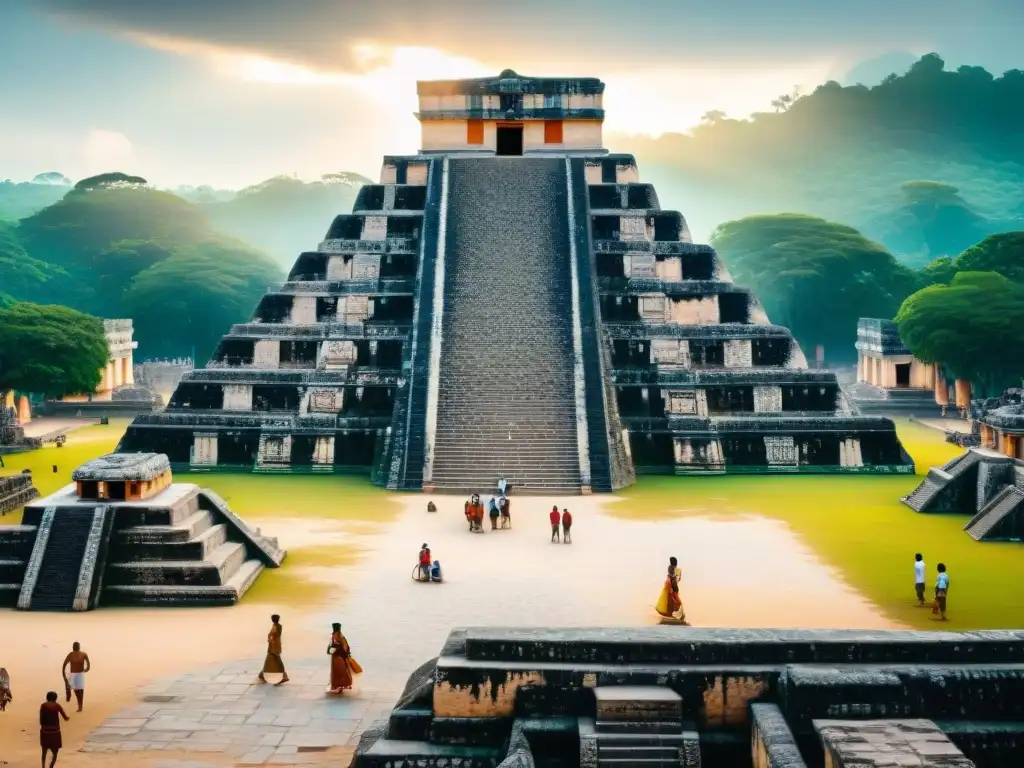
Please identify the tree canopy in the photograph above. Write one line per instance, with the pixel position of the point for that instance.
(50, 350)
(971, 326)
(87, 250)
(115, 179)
(200, 290)
(1002, 253)
(814, 276)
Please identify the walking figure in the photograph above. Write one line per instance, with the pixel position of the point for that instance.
(555, 519)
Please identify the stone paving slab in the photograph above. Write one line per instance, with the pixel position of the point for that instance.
(226, 711)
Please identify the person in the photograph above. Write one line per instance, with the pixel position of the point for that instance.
(555, 519)
(343, 666)
(502, 485)
(477, 512)
(50, 712)
(668, 599)
(566, 525)
(941, 590)
(676, 570)
(435, 571)
(77, 664)
(6, 697)
(919, 572)
(469, 515)
(492, 512)
(274, 664)
(425, 563)
(506, 512)
(431, 506)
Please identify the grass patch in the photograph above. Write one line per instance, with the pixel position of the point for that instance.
(859, 526)
(292, 584)
(83, 445)
(327, 497)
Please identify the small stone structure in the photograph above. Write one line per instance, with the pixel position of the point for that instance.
(708, 698)
(16, 491)
(124, 533)
(120, 369)
(900, 382)
(999, 423)
(888, 744)
(513, 234)
(982, 483)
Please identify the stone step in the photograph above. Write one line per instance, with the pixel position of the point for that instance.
(197, 548)
(638, 703)
(410, 724)
(705, 645)
(392, 753)
(12, 571)
(216, 570)
(638, 752)
(9, 594)
(184, 531)
(187, 594)
(131, 516)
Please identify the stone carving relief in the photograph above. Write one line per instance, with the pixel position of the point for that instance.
(632, 228)
(237, 397)
(336, 354)
(389, 197)
(354, 309)
(266, 353)
(366, 265)
(303, 310)
(654, 308)
(702, 311)
(275, 449)
(670, 352)
(375, 228)
(781, 451)
(767, 399)
(682, 403)
(738, 353)
(204, 448)
(638, 265)
(339, 267)
(326, 400)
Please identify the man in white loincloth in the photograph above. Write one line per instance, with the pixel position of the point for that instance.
(76, 664)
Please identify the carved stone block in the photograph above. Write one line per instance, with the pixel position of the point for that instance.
(781, 451)
(266, 353)
(237, 397)
(303, 310)
(339, 267)
(738, 353)
(768, 399)
(375, 228)
(638, 265)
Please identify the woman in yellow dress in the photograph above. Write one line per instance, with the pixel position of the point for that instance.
(343, 666)
(669, 602)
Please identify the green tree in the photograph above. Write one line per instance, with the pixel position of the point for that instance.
(115, 179)
(1002, 253)
(50, 350)
(972, 327)
(185, 303)
(814, 276)
(20, 274)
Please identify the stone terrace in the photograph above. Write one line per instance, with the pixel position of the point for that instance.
(224, 712)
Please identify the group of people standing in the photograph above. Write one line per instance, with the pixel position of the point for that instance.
(497, 509)
(565, 518)
(941, 586)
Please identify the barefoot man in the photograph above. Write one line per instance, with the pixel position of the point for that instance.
(76, 664)
(273, 663)
(50, 712)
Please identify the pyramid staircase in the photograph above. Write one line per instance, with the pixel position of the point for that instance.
(1001, 519)
(506, 401)
(939, 489)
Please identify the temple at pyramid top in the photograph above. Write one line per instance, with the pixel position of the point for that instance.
(512, 115)
(512, 301)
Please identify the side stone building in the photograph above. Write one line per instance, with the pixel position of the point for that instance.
(512, 300)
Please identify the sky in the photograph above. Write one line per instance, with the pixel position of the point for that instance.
(231, 92)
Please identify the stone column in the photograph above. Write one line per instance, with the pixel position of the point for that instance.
(963, 393)
(941, 389)
(860, 367)
(323, 453)
(849, 453)
(204, 449)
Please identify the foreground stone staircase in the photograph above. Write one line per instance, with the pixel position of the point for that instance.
(939, 490)
(638, 726)
(181, 547)
(506, 402)
(1000, 518)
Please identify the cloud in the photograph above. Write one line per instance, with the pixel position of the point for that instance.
(574, 36)
(104, 151)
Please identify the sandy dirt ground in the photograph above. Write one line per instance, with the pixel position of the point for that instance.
(748, 573)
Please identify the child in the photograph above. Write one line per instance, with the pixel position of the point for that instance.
(555, 519)
(566, 525)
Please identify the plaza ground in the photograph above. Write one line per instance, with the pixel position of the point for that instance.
(815, 551)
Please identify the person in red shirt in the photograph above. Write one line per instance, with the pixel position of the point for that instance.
(425, 563)
(555, 519)
(566, 525)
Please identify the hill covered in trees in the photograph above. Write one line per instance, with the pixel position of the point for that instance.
(114, 247)
(283, 215)
(926, 162)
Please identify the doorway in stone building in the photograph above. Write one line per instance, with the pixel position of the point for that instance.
(510, 139)
(902, 374)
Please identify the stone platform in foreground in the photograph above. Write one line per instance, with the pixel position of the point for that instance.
(717, 698)
(222, 711)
